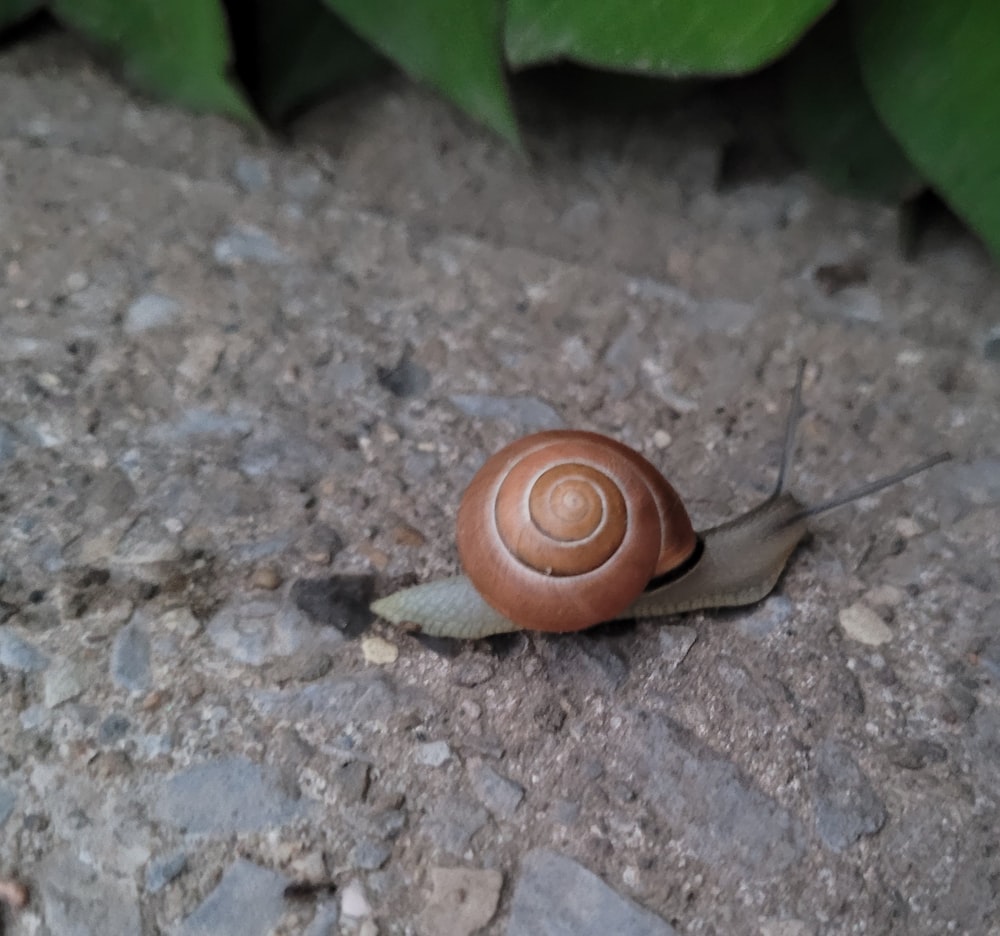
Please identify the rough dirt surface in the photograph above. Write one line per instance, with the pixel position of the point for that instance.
(242, 386)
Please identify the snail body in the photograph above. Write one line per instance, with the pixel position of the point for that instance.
(562, 530)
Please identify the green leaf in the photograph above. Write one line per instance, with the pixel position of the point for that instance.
(176, 48)
(933, 71)
(13, 11)
(300, 50)
(674, 37)
(453, 45)
(832, 123)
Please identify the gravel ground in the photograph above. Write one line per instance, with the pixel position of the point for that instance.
(243, 383)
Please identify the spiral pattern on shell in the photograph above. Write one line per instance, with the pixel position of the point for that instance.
(564, 529)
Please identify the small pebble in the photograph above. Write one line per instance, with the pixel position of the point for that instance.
(369, 855)
(662, 438)
(908, 528)
(405, 535)
(473, 711)
(675, 642)
(379, 651)
(377, 557)
(248, 245)
(164, 870)
(77, 281)
(498, 793)
(151, 311)
(462, 901)
(353, 902)
(266, 577)
(864, 625)
(64, 681)
(309, 867)
(13, 893)
(433, 753)
(885, 596)
(178, 621)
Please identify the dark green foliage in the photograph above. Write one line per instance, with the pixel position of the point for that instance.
(13, 11)
(832, 123)
(882, 96)
(453, 45)
(667, 37)
(933, 71)
(290, 54)
(179, 49)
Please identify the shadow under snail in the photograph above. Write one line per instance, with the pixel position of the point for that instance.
(565, 529)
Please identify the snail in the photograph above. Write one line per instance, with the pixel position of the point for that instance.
(565, 529)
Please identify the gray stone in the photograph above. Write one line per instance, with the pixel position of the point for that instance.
(433, 753)
(161, 871)
(279, 455)
(337, 701)
(8, 443)
(712, 807)
(991, 344)
(80, 901)
(248, 245)
(565, 812)
(351, 780)
(18, 654)
(147, 542)
(252, 174)
(198, 421)
(407, 378)
(115, 727)
(500, 795)
(8, 800)
(224, 797)
(624, 354)
(591, 659)
(248, 899)
(63, 681)
(109, 497)
(989, 651)
(324, 923)
(254, 630)
(917, 753)
(130, 654)
(675, 643)
(339, 601)
(368, 855)
(452, 821)
(555, 896)
(774, 612)
(471, 673)
(527, 413)
(151, 311)
(726, 316)
(846, 805)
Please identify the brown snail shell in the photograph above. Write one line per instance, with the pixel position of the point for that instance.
(564, 529)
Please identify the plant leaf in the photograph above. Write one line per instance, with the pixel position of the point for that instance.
(13, 11)
(674, 37)
(301, 49)
(831, 121)
(933, 71)
(453, 45)
(175, 48)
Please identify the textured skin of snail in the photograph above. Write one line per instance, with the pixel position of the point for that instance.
(739, 563)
